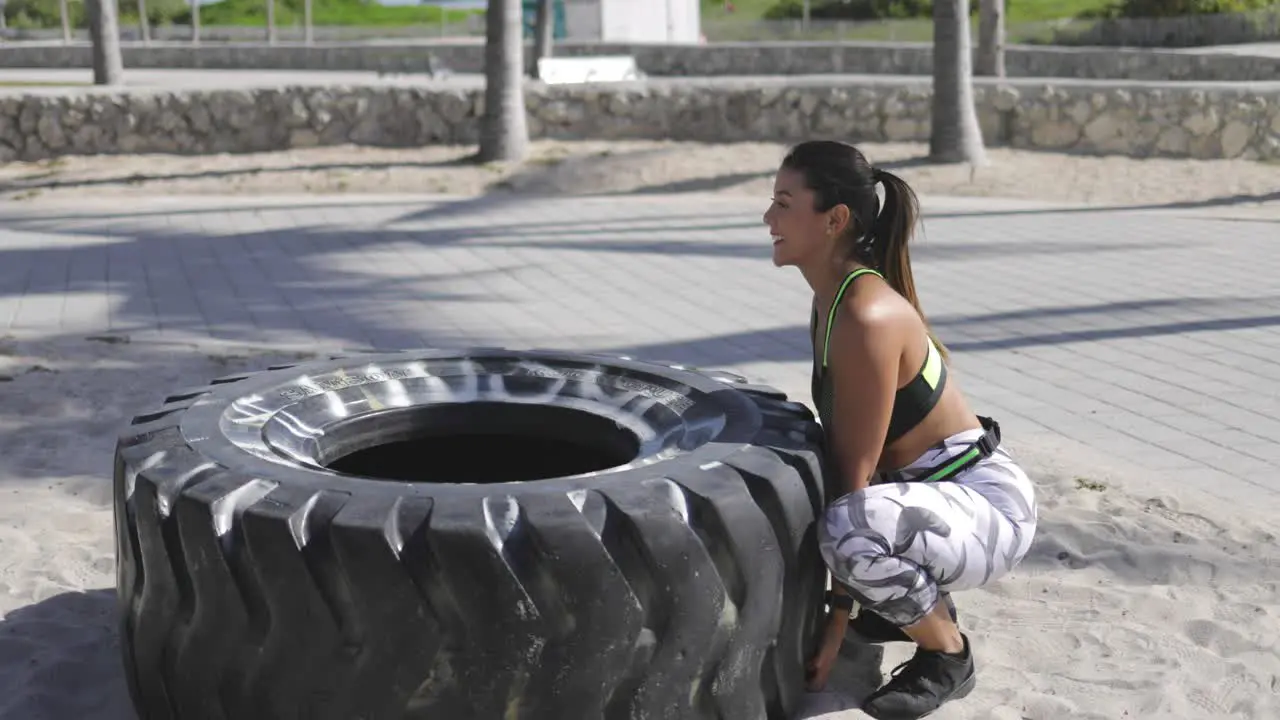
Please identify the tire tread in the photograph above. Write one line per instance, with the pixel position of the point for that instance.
(247, 599)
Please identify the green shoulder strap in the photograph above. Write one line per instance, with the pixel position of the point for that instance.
(831, 314)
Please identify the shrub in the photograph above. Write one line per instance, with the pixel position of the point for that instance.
(851, 9)
(46, 14)
(1173, 8)
(1174, 23)
(41, 14)
(784, 10)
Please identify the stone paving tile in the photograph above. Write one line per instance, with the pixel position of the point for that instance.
(1149, 336)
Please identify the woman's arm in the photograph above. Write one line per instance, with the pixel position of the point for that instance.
(863, 362)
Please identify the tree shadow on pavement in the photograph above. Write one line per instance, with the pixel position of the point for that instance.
(248, 276)
(791, 343)
(50, 180)
(1206, 204)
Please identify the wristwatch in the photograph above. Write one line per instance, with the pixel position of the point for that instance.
(839, 601)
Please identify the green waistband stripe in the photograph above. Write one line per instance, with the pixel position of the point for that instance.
(951, 466)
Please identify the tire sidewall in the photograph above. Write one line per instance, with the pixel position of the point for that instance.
(258, 399)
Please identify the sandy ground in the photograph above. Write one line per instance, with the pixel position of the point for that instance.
(591, 168)
(1133, 603)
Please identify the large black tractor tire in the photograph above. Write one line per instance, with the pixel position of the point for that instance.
(460, 535)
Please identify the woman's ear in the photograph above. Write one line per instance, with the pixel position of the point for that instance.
(838, 219)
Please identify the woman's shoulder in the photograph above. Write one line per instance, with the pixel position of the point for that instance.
(876, 306)
(868, 324)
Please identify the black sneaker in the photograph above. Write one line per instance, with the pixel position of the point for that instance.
(872, 628)
(922, 684)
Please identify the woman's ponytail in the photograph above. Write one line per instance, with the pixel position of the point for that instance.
(893, 229)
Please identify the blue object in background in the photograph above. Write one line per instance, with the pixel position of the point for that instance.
(530, 8)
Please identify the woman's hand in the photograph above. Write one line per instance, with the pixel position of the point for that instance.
(821, 664)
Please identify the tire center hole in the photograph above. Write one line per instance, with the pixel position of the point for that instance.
(476, 442)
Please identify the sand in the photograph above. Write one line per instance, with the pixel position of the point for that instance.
(1135, 602)
(596, 168)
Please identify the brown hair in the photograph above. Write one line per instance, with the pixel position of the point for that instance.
(839, 173)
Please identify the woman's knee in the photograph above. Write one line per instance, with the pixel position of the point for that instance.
(861, 545)
(856, 530)
(862, 542)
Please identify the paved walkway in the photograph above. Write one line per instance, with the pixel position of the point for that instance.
(1149, 335)
(1262, 49)
(26, 80)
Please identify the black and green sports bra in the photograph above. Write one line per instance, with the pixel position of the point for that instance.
(911, 403)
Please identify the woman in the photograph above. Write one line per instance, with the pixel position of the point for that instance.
(928, 503)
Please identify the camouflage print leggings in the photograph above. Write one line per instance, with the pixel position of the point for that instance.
(895, 546)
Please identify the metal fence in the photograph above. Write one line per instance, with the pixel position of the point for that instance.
(285, 33)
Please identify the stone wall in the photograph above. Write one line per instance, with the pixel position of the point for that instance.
(1111, 118)
(775, 58)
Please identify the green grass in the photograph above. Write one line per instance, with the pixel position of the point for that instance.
(1083, 483)
(42, 83)
(1026, 21)
(1027, 11)
(350, 13)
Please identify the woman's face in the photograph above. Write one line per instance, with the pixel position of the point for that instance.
(800, 233)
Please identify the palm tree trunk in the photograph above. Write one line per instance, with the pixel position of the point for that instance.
(104, 34)
(308, 27)
(144, 25)
(504, 131)
(543, 31)
(990, 38)
(271, 22)
(65, 12)
(955, 135)
(195, 21)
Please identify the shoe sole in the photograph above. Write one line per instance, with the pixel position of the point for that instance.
(961, 692)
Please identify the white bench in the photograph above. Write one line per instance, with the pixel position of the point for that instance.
(588, 69)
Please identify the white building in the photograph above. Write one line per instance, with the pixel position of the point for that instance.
(633, 21)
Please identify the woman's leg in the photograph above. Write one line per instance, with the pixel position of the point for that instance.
(871, 628)
(897, 546)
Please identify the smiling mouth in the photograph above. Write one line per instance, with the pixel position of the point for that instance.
(777, 239)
